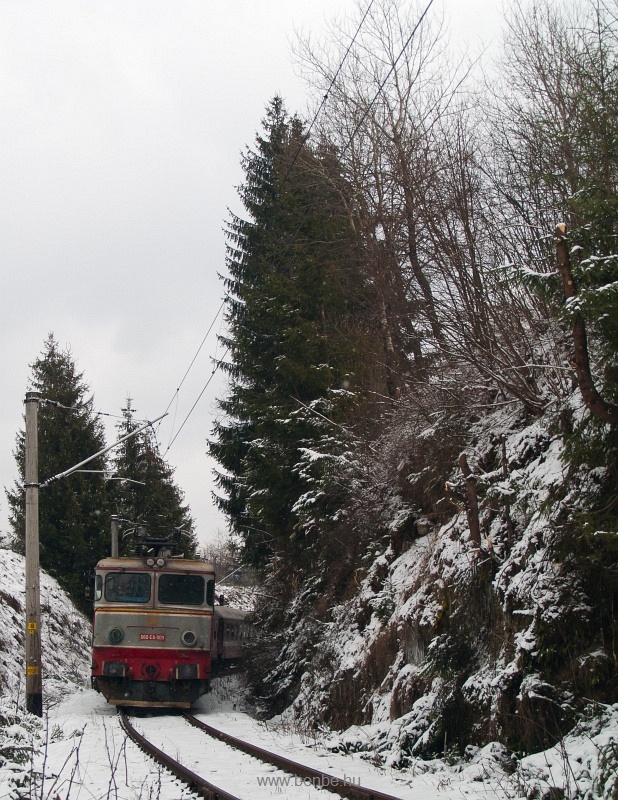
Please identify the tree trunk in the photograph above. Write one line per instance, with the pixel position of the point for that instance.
(394, 392)
(472, 503)
(608, 412)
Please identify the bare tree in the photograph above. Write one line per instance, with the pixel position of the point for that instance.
(403, 121)
(379, 111)
(555, 159)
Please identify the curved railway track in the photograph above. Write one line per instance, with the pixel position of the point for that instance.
(317, 778)
(195, 782)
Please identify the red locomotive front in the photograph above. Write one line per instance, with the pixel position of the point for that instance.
(152, 635)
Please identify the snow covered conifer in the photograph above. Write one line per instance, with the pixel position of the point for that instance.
(149, 494)
(73, 512)
(298, 321)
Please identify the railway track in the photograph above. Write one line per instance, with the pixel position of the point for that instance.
(317, 777)
(309, 776)
(195, 782)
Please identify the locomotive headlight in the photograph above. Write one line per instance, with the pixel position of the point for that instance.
(160, 562)
(189, 639)
(150, 562)
(115, 635)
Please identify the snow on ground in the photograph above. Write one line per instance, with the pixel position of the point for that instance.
(65, 643)
(65, 633)
(242, 597)
(79, 752)
(444, 625)
(86, 756)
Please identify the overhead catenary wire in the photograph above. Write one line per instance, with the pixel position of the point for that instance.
(199, 397)
(188, 370)
(388, 75)
(357, 128)
(83, 407)
(295, 158)
(184, 377)
(325, 97)
(291, 166)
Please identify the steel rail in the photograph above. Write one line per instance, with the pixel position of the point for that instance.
(324, 780)
(193, 781)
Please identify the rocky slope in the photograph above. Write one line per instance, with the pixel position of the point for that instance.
(446, 644)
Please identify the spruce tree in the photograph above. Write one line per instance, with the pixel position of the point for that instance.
(73, 512)
(298, 331)
(146, 493)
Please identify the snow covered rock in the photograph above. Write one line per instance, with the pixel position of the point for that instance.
(65, 634)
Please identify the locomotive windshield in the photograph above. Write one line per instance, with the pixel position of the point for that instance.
(181, 590)
(127, 587)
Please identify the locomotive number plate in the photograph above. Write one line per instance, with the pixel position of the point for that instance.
(152, 637)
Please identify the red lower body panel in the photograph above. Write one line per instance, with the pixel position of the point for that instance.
(136, 676)
(151, 664)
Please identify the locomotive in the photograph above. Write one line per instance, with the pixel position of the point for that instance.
(156, 629)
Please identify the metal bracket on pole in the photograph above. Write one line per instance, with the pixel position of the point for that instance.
(100, 453)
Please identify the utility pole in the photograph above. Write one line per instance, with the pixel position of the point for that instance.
(34, 686)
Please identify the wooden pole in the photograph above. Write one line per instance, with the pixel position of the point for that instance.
(34, 686)
(472, 503)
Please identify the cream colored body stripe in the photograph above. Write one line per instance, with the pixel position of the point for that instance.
(113, 609)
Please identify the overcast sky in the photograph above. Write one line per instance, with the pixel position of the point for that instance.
(121, 128)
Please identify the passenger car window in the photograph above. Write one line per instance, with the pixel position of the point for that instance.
(181, 590)
(127, 587)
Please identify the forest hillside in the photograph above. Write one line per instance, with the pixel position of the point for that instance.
(418, 443)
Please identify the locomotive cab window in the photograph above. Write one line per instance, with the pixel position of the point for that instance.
(98, 587)
(127, 587)
(182, 590)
